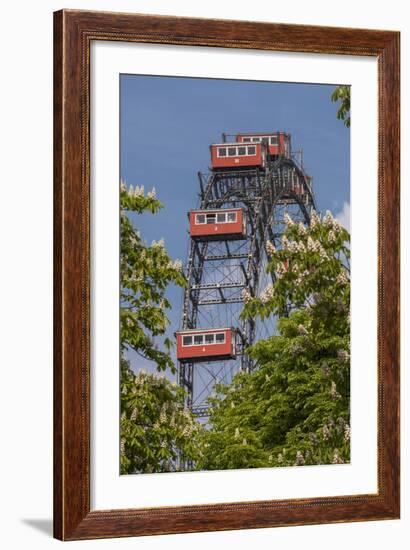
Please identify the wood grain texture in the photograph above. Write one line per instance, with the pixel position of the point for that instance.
(73, 33)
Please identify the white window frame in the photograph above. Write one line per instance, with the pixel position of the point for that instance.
(213, 339)
(223, 334)
(210, 214)
(198, 222)
(258, 139)
(204, 343)
(216, 214)
(187, 336)
(248, 154)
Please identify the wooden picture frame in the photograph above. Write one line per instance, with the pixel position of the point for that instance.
(74, 32)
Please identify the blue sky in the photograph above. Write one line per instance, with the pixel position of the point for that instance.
(168, 123)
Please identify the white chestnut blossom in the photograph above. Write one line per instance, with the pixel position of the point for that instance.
(323, 254)
(162, 416)
(293, 246)
(285, 241)
(288, 220)
(342, 278)
(334, 394)
(187, 431)
(311, 245)
(332, 236)
(139, 191)
(246, 296)
(336, 225)
(336, 457)
(158, 244)
(152, 194)
(267, 294)
(328, 219)
(299, 459)
(301, 228)
(314, 220)
(270, 248)
(325, 369)
(281, 269)
(316, 246)
(302, 330)
(342, 355)
(295, 349)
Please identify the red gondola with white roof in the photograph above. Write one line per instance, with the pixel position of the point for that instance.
(235, 155)
(226, 223)
(278, 143)
(201, 345)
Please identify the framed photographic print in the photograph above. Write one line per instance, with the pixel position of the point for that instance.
(226, 275)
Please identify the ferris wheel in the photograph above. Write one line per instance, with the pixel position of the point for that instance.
(253, 182)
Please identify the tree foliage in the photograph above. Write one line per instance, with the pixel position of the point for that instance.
(293, 409)
(146, 273)
(342, 94)
(157, 434)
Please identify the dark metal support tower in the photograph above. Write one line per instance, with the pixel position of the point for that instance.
(221, 273)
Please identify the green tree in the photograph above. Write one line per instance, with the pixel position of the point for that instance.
(146, 273)
(293, 409)
(157, 435)
(342, 94)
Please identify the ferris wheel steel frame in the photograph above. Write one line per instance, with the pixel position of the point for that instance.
(220, 270)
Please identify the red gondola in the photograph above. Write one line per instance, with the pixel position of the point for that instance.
(206, 344)
(224, 223)
(278, 143)
(233, 155)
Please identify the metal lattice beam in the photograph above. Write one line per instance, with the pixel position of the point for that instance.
(219, 271)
